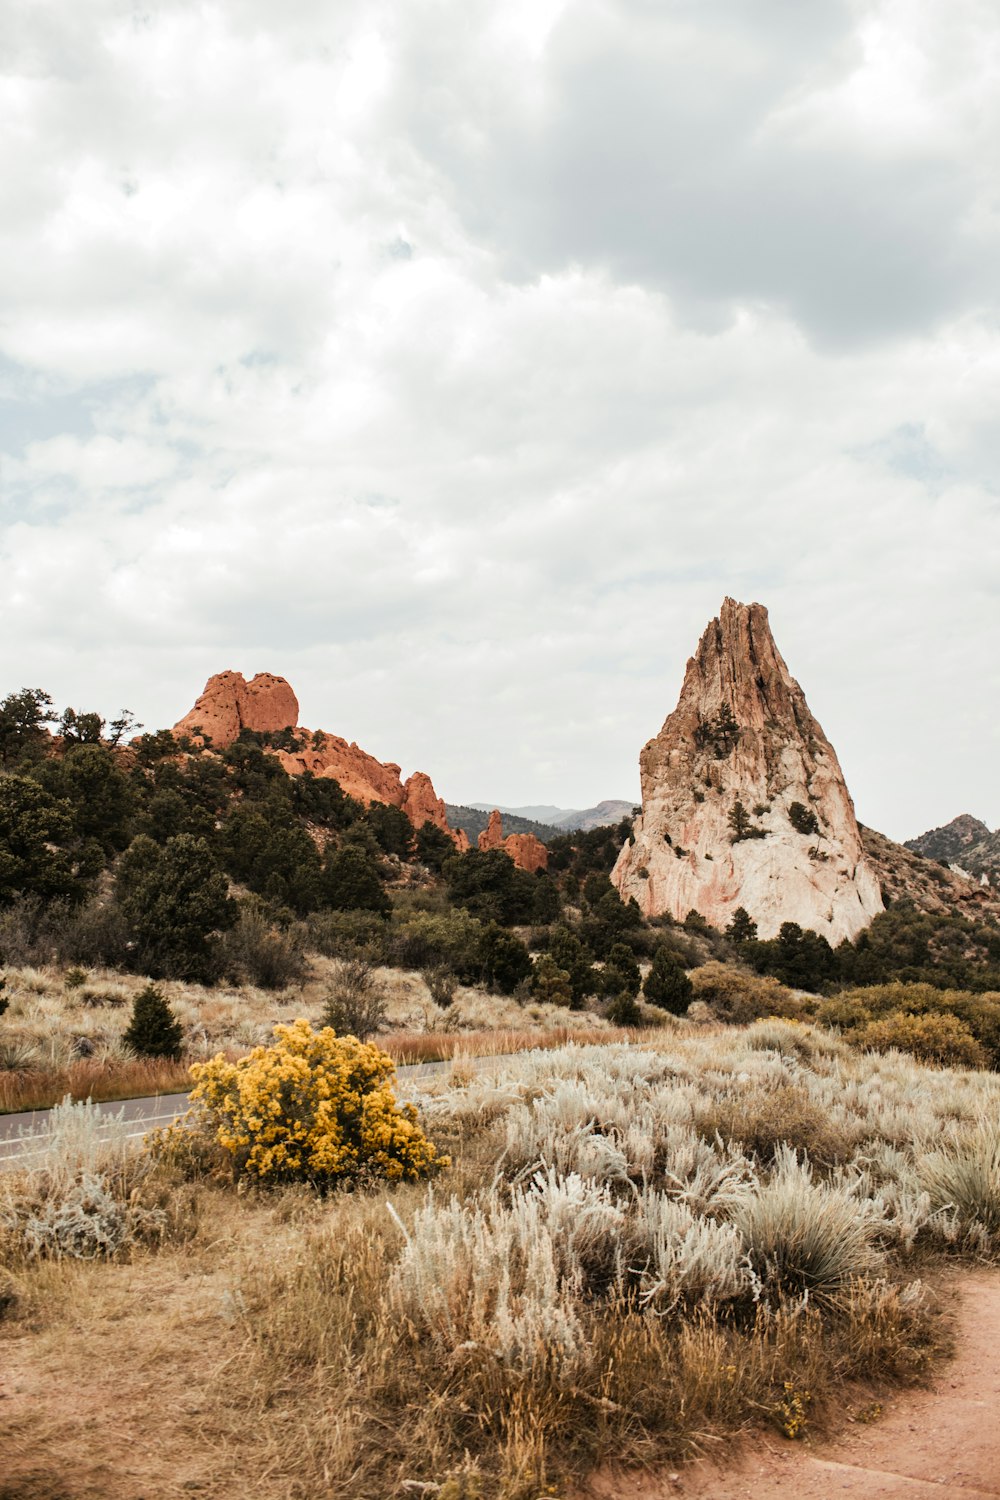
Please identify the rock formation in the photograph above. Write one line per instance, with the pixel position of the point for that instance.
(527, 852)
(229, 703)
(268, 705)
(743, 800)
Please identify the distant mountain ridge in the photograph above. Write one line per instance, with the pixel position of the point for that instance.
(565, 819)
(965, 841)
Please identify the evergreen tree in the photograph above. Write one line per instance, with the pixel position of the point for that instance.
(350, 881)
(739, 822)
(173, 899)
(505, 959)
(549, 983)
(23, 717)
(621, 972)
(34, 827)
(153, 1030)
(742, 928)
(667, 985)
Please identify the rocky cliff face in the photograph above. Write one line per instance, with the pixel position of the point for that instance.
(229, 703)
(743, 799)
(268, 705)
(527, 852)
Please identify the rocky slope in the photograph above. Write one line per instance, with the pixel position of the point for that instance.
(527, 852)
(267, 705)
(743, 799)
(926, 883)
(965, 842)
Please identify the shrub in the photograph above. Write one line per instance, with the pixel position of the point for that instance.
(355, 1000)
(805, 1236)
(441, 983)
(153, 1030)
(667, 985)
(739, 997)
(260, 952)
(965, 1176)
(82, 1198)
(549, 983)
(349, 934)
(764, 1120)
(423, 939)
(312, 1107)
(941, 1039)
(624, 1010)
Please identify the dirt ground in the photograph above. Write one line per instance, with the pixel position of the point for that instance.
(928, 1444)
(116, 1400)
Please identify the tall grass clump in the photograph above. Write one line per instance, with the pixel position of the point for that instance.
(964, 1177)
(80, 1195)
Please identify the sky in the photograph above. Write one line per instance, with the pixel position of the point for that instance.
(455, 358)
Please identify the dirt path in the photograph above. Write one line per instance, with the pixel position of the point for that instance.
(944, 1441)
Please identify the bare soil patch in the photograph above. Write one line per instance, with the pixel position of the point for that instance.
(940, 1441)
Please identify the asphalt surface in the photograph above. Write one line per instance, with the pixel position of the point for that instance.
(22, 1136)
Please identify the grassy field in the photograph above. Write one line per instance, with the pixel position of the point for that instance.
(62, 1038)
(637, 1253)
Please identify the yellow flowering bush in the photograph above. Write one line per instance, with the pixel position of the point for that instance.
(313, 1107)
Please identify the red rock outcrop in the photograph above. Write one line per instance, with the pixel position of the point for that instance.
(267, 705)
(527, 852)
(743, 799)
(229, 703)
(492, 835)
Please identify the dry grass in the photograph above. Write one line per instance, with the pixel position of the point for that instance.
(63, 1039)
(127, 1078)
(596, 1279)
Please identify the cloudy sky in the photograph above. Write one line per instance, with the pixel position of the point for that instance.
(454, 359)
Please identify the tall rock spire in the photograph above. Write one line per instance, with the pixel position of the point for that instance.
(743, 799)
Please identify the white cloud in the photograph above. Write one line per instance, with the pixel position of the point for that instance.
(455, 361)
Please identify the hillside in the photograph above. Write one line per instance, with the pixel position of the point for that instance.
(562, 819)
(966, 842)
(926, 883)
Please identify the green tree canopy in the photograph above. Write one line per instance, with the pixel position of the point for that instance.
(667, 985)
(35, 829)
(350, 882)
(174, 898)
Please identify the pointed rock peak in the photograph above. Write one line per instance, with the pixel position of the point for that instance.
(743, 799)
(492, 835)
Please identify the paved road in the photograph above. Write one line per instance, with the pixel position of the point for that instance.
(22, 1136)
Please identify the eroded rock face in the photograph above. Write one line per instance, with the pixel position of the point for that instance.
(527, 852)
(267, 705)
(492, 835)
(743, 799)
(229, 703)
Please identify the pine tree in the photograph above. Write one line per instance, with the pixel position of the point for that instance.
(742, 928)
(154, 1030)
(667, 985)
